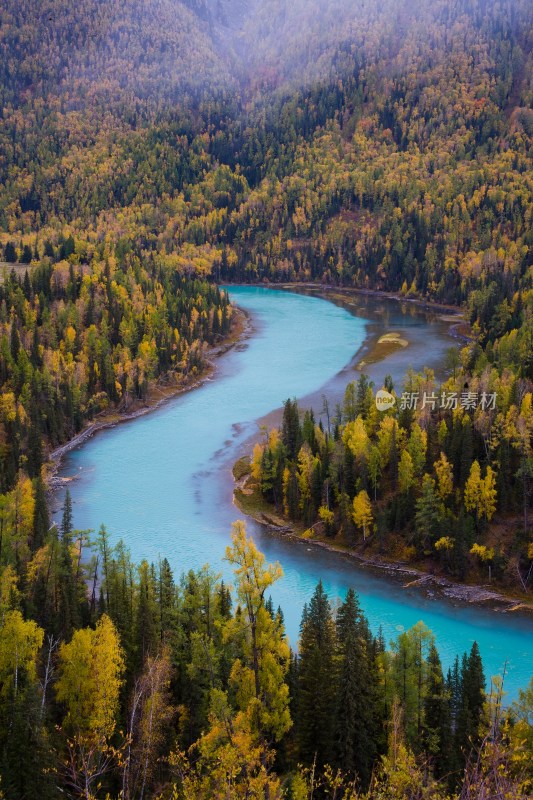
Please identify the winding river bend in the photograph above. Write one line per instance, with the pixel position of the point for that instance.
(163, 482)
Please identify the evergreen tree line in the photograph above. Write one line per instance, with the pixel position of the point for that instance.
(347, 682)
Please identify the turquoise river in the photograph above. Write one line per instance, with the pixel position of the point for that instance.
(163, 482)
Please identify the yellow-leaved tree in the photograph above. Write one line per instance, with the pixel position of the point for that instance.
(480, 493)
(362, 512)
(406, 472)
(236, 755)
(90, 677)
(259, 674)
(20, 642)
(444, 471)
(18, 514)
(356, 438)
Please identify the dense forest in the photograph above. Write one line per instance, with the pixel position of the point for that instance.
(149, 151)
(84, 334)
(148, 687)
(443, 478)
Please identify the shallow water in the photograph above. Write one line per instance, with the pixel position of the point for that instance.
(163, 482)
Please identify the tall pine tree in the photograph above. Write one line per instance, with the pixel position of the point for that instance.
(355, 739)
(316, 681)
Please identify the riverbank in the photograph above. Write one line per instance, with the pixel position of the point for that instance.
(375, 348)
(383, 339)
(455, 315)
(379, 345)
(247, 498)
(160, 392)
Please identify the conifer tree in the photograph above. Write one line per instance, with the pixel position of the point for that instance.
(437, 730)
(69, 615)
(291, 434)
(355, 719)
(427, 514)
(224, 601)
(472, 701)
(10, 254)
(166, 600)
(316, 681)
(66, 519)
(41, 517)
(146, 621)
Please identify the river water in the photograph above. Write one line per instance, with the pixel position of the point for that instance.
(163, 482)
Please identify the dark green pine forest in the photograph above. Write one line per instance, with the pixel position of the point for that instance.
(151, 150)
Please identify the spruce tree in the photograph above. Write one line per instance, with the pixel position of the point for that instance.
(104, 555)
(224, 601)
(316, 682)
(14, 342)
(69, 595)
(26, 284)
(473, 692)
(291, 434)
(166, 601)
(355, 739)
(10, 254)
(66, 520)
(308, 430)
(146, 621)
(363, 396)
(27, 255)
(49, 249)
(437, 722)
(471, 702)
(474, 684)
(427, 514)
(454, 691)
(26, 758)
(41, 518)
(35, 447)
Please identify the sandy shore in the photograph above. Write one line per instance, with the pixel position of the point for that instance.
(442, 309)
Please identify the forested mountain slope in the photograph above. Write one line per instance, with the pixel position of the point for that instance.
(386, 147)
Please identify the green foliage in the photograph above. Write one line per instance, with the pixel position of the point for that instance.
(419, 510)
(169, 664)
(316, 688)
